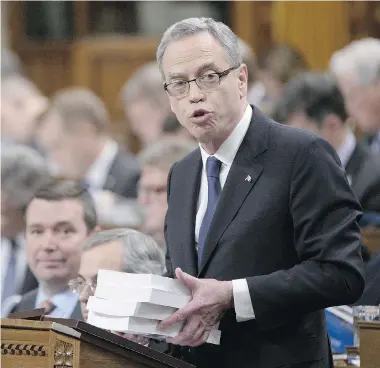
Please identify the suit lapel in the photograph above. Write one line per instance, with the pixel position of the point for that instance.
(190, 185)
(243, 175)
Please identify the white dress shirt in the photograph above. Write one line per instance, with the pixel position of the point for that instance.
(96, 175)
(226, 154)
(64, 302)
(347, 148)
(21, 264)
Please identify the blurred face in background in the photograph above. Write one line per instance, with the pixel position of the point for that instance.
(68, 149)
(209, 115)
(107, 256)
(55, 233)
(12, 218)
(363, 103)
(20, 108)
(145, 118)
(152, 197)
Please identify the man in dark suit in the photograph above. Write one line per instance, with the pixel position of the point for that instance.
(74, 133)
(261, 222)
(59, 219)
(357, 69)
(23, 170)
(313, 101)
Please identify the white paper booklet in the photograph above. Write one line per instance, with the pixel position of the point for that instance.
(141, 326)
(123, 279)
(133, 309)
(125, 294)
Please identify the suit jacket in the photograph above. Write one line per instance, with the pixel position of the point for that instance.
(28, 302)
(363, 168)
(123, 175)
(291, 232)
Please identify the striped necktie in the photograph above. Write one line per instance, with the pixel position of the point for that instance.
(48, 306)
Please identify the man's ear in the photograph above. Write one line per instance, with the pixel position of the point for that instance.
(243, 80)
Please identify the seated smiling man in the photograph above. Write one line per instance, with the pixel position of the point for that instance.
(59, 219)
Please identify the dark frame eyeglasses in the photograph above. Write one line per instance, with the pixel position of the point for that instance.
(204, 82)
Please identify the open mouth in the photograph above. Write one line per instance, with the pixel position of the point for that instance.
(199, 113)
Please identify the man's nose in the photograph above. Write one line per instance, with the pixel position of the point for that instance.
(195, 93)
(48, 241)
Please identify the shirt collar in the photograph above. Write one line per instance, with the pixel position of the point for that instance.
(98, 171)
(227, 151)
(347, 148)
(65, 300)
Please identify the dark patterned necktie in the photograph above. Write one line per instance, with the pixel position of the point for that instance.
(212, 169)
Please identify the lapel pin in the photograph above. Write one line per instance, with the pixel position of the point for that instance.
(248, 179)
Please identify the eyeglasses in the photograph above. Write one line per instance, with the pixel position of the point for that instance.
(79, 284)
(204, 82)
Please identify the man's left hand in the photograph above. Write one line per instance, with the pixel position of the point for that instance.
(211, 298)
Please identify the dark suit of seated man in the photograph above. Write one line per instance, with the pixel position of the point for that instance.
(261, 222)
(59, 219)
(313, 101)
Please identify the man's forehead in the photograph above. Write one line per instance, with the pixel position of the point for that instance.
(67, 210)
(192, 53)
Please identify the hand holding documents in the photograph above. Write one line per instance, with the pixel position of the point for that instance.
(137, 303)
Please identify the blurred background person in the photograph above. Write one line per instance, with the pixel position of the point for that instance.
(145, 103)
(59, 219)
(10, 63)
(74, 133)
(277, 67)
(313, 101)
(357, 68)
(21, 105)
(172, 128)
(156, 162)
(23, 171)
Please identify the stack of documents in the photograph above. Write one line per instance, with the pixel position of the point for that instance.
(136, 303)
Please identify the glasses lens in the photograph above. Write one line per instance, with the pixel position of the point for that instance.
(177, 88)
(76, 286)
(208, 81)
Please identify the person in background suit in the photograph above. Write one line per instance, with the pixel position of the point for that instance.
(21, 105)
(59, 219)
(156, 161)
(73, 131)
(313, 101)
(122, 250)
(23, 171)
(357, 68)
(145, 104)
(261, 222)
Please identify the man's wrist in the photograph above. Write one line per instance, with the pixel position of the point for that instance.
(229, 298)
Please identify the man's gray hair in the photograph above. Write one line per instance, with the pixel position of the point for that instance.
(145, 83)
(23, 171)
(166, 151)
(193, 26)
(360, 58)
(141, 254)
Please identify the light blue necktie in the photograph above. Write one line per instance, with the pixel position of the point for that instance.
(212, 169)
